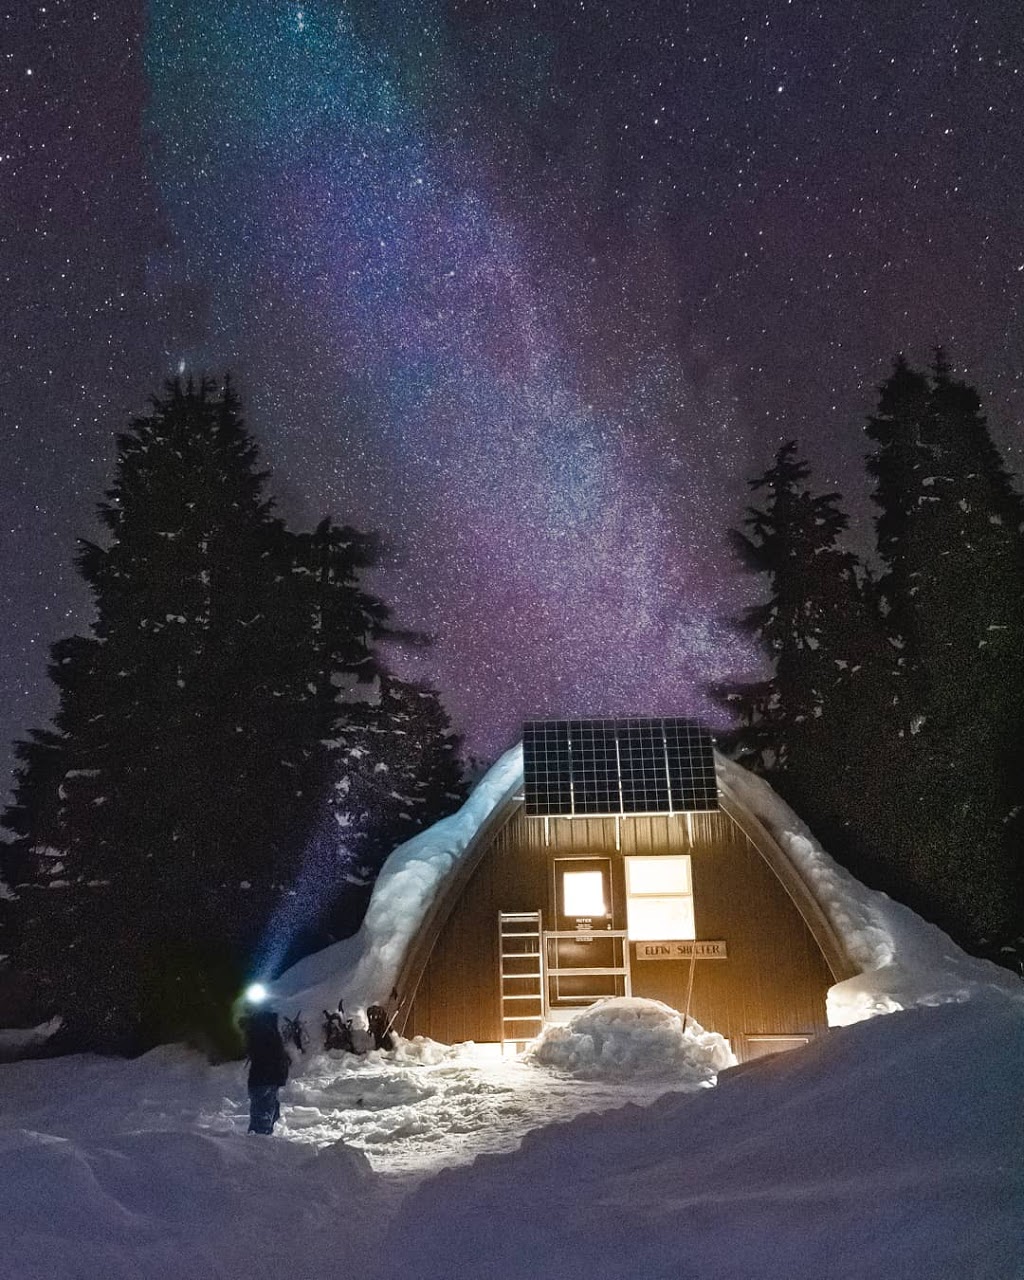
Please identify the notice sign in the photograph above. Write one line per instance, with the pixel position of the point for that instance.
(681, 950)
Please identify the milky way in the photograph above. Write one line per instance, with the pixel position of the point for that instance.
(548, 521)
(529, 288)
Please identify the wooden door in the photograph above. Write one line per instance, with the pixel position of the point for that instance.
(586, 965)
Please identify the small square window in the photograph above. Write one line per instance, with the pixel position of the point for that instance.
(583, 894)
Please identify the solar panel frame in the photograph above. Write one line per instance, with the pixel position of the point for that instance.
(629, 767)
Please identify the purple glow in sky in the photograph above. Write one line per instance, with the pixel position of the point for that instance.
(529, 288)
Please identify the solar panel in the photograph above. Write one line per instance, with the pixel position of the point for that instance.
(577, 768)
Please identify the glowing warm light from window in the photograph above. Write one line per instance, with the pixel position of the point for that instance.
(657, 875)
(659, 899)
(583, 893)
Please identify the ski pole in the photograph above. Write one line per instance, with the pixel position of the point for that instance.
(394, 1017)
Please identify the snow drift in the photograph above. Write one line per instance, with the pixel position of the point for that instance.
(889, 1148)
(620, 1038)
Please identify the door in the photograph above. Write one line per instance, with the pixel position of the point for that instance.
(584, 955)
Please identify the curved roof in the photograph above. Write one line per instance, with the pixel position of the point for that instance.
(882, 955)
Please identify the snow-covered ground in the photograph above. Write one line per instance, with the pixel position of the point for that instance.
(890, 1148)
(893, 1148)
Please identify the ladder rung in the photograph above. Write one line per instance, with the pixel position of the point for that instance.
(529, 997)
(527, 1017)
(586, 973)
(519, 935)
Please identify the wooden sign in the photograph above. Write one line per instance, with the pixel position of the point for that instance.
(681, 950)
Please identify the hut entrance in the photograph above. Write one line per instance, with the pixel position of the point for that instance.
(585, 959)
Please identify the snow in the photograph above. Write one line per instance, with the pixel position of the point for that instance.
(363, 969)
(427, 1106)
(902, 961)
(891, 1147)
(144, 1168)
(622, 1038)
(18, 1042)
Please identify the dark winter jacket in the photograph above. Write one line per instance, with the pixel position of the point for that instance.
(268, 1058)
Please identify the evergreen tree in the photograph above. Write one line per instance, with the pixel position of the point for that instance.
(893, 715)
(399, 770)
(326, 627)
(949, 537)
(227, 755)
(819, 632)
(159, 822)
(822, 727)
(898, 465)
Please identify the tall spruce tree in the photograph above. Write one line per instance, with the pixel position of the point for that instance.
(159, 821)
(896, 727)
(417, 774)
(949, 538)
(821, 725)
(228, 755)
(399, 769)
(819, 633)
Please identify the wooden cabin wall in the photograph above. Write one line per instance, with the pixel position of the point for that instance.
(773, 982)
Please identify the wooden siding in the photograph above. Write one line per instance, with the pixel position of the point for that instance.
(773, 982)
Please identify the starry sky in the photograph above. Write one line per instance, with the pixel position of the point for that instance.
(529, 286)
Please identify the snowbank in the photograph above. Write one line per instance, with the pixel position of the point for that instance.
(904, 961)
(168, 1204)
(619, 1038)
(890, 1148)
(18, 1042)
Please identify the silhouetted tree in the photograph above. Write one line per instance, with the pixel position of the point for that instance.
(400, 769)
(828, 655)
(949, 537)
(158, 824)
(893, 714)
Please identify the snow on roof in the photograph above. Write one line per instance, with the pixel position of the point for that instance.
(902, 960)
(364, 968)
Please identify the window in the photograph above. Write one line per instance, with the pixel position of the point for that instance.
(583, 893)
(659, 899)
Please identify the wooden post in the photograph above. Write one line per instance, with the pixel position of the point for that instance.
(689, 984)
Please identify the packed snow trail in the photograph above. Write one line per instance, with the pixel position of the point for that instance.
(411, 1112)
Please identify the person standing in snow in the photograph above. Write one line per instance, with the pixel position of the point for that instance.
(268, 1069)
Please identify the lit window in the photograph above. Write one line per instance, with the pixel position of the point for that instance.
(583, 893)
(659, 899)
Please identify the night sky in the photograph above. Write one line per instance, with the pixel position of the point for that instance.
(531, 288)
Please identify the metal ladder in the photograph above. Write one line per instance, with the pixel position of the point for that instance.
(522, 976)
